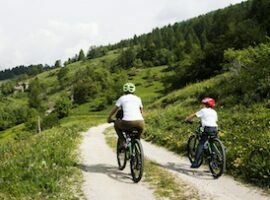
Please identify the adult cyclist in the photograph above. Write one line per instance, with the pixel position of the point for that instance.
(209, 120)
(132, 108)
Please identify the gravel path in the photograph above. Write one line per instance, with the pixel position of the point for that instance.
(223, 188)
(103, 180)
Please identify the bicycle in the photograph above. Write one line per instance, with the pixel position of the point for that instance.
(213, 153)
(133, 151)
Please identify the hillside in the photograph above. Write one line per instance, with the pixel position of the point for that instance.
(229, 65)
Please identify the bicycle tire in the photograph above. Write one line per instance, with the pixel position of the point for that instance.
(121, 155)
(191, 149)
(217, 161)
(137, 161)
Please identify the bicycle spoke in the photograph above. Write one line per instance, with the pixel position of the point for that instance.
(121, 155)
(136, 162)
(217, 159)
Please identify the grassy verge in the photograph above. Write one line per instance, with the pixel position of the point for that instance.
(242, 128)
(40, 167)
(164, 184)
(43, 166)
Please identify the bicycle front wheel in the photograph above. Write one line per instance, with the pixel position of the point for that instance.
(217, 160)
(137, 161)
(191, 149)
(121, 155)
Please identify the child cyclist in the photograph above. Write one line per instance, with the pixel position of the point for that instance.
(209, 118)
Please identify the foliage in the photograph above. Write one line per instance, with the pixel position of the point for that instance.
(196, 47)
(36, 94)
(7, 88)
(21, 71)
(251, 72)
(99, 104)
(39, 167)
(95, 52)
(127, 58)
(57, 64)
(12, 115)
(97, 82)
(62, 76)
(63, 106)
(241, 130)
(50, 121)
(81, 56)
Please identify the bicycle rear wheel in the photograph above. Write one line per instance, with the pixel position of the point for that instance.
(121, 155)
(191, 149)
(217, 160)
(136, 161)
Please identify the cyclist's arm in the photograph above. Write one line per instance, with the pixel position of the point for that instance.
(115, 108)
(190, 117)
(141, 109)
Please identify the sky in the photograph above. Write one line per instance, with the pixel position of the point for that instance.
(43, 31)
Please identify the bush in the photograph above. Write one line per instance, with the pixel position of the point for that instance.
(99, 104)
(62, 107)
(50, 121)
(251, 70)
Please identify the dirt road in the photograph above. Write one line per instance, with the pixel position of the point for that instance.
(102, 179)
(224, 188)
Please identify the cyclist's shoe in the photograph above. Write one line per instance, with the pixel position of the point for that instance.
(194, 165)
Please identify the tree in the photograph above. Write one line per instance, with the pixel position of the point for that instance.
(7, 88)
(35, 94)
(127, 58)
(58, 64)
(63, 106)
(81, 55)
(62, 76)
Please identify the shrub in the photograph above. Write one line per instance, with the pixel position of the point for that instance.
(62, 107)
(99, 104)
(50, 121)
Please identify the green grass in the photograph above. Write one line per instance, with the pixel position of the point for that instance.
(43, 166)
(40, 167)
(10, 133)
(149, 83)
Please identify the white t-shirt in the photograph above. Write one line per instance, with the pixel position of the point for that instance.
(131, 105)
(208, 117)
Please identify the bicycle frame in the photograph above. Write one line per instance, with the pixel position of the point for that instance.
(213, 151)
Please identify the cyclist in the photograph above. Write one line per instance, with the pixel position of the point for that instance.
(209, 118)
(132, 108)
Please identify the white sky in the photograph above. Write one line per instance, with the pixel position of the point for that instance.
(42, 31)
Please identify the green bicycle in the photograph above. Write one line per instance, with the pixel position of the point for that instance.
(213, 153)
(132, 151)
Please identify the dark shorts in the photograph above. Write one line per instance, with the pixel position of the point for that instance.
(210, 130)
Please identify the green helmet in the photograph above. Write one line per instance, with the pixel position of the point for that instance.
(129, 87)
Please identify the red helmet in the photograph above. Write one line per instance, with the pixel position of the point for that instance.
(210, 102)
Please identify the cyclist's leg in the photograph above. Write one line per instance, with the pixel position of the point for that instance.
(118, 130)
(138, 124)
(199, 151)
